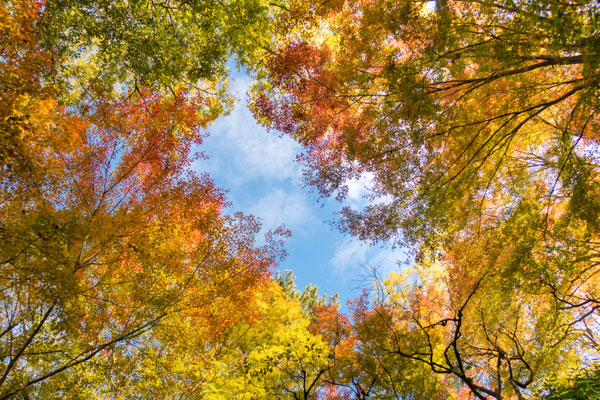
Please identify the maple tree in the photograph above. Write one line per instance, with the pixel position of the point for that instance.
(477, 122)
(121, 276)
(289, 362)
(487, 334)
(246, 360)
(442, 106)
(275, 354)
(361, 367)
(357, 364)
(110, 244)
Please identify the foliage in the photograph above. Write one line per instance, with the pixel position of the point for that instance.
(477, 121)
(110, 246)
(585, 384)
(483, 333)
(121, 277)
(162, 44)
(309, 298)
(452, 110)
(251, 358)
(363, 368)
(275, 355)
(291, 360)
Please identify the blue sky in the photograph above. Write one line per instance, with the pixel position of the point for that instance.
(259, 171)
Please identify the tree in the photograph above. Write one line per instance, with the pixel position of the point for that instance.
(155, 44)
(486, 330)
(274, 356)
(110, 244)
(358, 364)
(397, 89)
(362, 366)
(454, 111)
(477, 121)
(112, 237)
(583, 384)
(486, 337)
(309, 298)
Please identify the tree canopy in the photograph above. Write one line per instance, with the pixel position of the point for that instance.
(122, 275)
(453, 107)
(477, 122)
(110, 243)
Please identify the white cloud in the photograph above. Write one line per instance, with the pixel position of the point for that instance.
(354, 258)
(358, 188)
(349, 256)
(279, 207)
(386, 259)
(243, 151)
